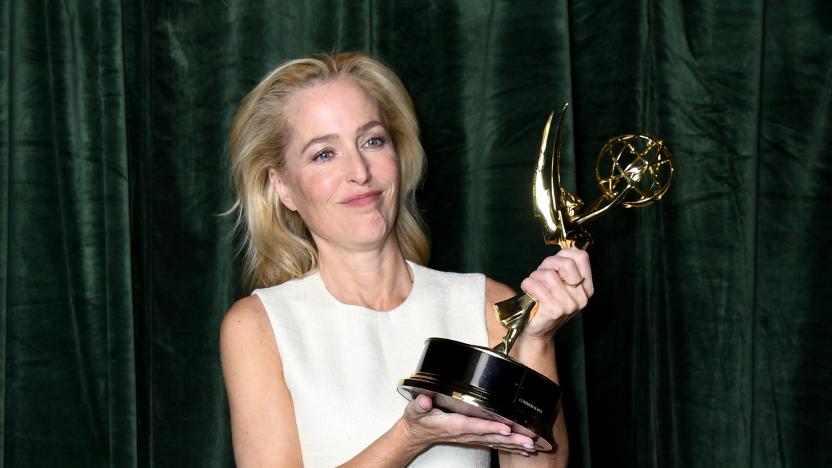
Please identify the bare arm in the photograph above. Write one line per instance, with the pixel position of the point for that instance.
(536, 346)
(263, 428)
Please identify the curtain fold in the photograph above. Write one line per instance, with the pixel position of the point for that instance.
(792, 286)
(6, 117)
(703, 346)
(69, 364)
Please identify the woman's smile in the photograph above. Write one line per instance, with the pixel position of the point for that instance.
(362, 199)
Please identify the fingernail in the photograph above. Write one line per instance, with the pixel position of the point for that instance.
(525, 454)
(506, 432)
(528, 446)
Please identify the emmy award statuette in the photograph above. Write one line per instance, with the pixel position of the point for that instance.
(631, 171)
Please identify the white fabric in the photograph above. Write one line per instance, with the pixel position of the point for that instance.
(342, 363)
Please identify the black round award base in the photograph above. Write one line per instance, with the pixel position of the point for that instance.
(477, 381)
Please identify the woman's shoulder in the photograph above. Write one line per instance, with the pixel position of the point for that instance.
(246, 318)
(249, 315)
(303, 285)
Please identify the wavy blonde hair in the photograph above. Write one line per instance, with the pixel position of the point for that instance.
(275, 240)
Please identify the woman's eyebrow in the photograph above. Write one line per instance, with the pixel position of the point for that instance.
(369, 125)
(320, 139)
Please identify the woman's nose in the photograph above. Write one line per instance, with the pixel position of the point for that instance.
(359, 168)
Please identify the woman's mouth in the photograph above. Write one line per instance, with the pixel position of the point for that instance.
(362, 199)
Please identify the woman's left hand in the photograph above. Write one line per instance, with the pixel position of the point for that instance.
(562, 286)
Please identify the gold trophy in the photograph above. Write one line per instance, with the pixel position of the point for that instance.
(631, 171)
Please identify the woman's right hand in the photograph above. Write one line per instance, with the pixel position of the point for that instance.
(426, 425)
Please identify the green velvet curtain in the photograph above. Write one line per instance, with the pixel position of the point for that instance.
(706, 342)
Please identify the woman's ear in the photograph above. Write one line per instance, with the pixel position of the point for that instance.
(282, 191)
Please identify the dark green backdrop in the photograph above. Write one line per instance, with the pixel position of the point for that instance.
(706, 343)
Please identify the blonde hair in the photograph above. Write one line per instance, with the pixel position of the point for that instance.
(276, 242)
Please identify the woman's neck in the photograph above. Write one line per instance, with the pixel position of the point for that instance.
(378, 280)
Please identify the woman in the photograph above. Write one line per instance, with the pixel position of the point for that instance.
(326, 160)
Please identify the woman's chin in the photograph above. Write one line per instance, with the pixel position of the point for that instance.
(371, 237)
(373, 234)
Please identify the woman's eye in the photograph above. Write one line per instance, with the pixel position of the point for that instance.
(375, 142)
(323, 155)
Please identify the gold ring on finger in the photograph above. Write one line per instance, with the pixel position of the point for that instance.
(575, 285)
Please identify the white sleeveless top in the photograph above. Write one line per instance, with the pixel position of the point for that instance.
(342, 362)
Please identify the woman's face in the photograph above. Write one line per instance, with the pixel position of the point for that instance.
(341, 173)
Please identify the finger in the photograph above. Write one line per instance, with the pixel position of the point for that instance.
(550, 290)
(567, 267)
(512, 441)
(511, 449)
(469, 428)
(571, 270)
(554, 280)
(581, 259)
(516, 450)
(556, 300)
(419, 406)
(424, 403)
